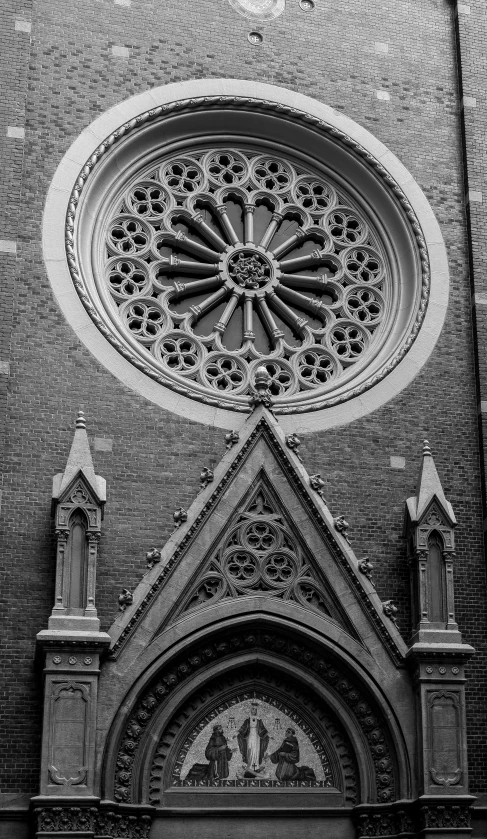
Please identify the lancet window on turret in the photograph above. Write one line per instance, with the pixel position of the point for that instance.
(436, 580)
(77, 560)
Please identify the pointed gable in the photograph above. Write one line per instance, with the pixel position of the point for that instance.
(261, 553)
(429, 489)
(261, 478)
(79, 465)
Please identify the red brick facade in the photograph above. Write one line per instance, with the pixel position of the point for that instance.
(57, 79)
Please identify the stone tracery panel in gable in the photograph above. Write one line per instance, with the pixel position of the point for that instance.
(260, 554)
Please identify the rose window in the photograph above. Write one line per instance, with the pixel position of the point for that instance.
(216, 262)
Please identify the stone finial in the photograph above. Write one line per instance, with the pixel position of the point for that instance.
(262, 379)
(261, 394)
(429, 485)
(80, 420)
(80, 461)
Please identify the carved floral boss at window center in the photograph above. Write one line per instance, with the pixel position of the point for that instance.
(219, 261)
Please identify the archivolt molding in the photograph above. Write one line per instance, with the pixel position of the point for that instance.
(343, 685)
(310, 119)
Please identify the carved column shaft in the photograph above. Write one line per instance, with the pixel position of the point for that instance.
(450, 594)
(93, 540)
(61, 594)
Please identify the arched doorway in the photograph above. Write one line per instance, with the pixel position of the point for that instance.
(324, 741)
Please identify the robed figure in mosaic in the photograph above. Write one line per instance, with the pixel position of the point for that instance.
(218, 754)
(286, 757)
(253, 739)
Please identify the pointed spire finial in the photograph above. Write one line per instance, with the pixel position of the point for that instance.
(80, 460)
(429, 485)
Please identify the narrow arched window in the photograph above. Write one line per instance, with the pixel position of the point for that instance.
(436, 581)
(77, 561)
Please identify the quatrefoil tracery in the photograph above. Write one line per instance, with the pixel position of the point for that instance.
(220, 261)
(259, 556)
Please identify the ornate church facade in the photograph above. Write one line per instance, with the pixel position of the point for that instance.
(242, 372)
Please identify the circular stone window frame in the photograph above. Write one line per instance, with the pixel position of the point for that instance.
(243, 7)
(149, 108)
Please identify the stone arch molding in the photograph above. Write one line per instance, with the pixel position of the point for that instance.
(175, 660)
(350, 721)
(411, 244)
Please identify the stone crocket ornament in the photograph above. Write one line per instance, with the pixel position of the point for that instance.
(317, 483)
(206, 477)
(342, 526)
(180, 516)
(125, 599)
(153, 556)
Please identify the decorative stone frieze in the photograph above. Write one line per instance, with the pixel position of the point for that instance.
(91, 822)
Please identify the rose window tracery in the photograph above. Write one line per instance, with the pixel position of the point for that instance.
(219, 261)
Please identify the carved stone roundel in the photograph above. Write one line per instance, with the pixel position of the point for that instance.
(213, 262)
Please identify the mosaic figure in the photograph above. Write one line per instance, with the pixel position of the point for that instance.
(253, 739)
(287, 757)
(218, 754)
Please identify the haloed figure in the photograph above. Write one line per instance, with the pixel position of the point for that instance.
(253, 739)
(218, 754)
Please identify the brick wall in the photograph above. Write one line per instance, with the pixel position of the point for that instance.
(337, 55)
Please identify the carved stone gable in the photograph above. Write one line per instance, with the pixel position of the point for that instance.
(260, 554)
(435, 520)
(258, 536)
